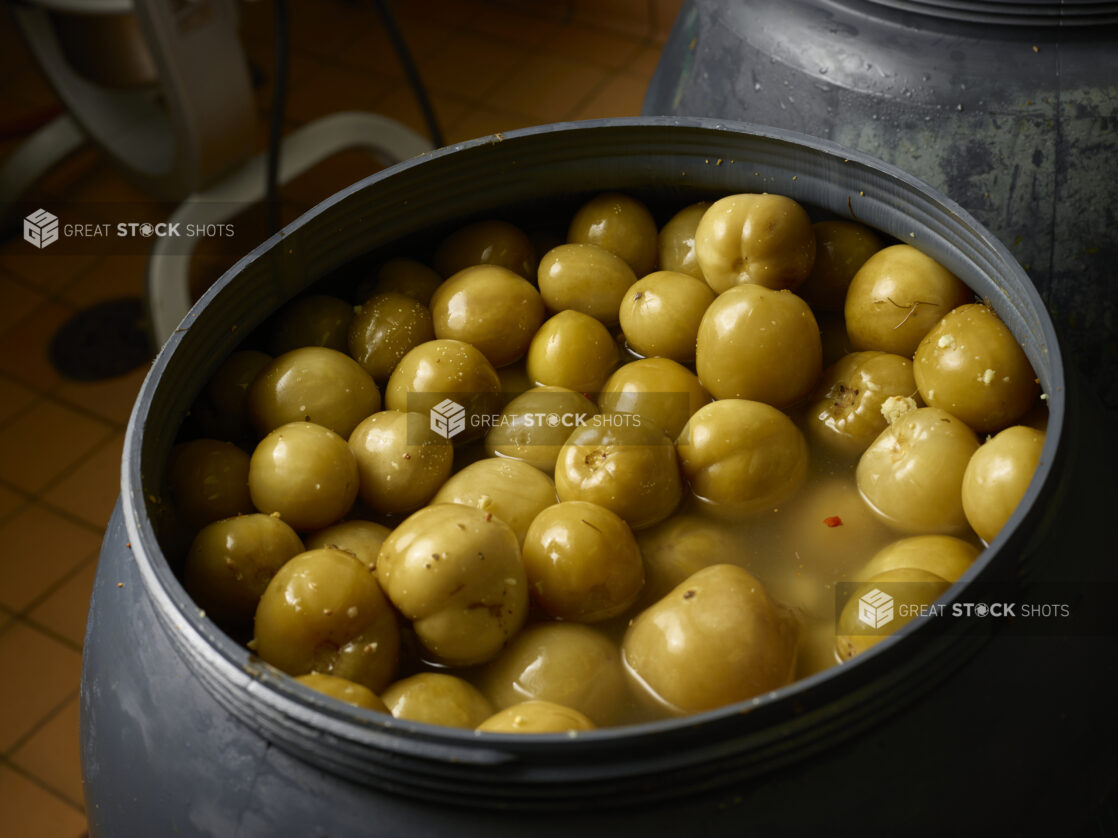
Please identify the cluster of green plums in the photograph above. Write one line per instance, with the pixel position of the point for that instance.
(544, 482)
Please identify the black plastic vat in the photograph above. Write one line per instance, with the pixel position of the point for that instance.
(953, 724)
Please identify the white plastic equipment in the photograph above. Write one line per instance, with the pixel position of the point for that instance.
(168, 288)
(163, 87)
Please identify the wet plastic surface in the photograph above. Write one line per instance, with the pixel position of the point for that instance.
(1009, 108)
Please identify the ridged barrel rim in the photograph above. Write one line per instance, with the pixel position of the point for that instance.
(1020, 13)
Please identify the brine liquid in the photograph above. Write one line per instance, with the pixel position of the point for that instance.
(799, 551)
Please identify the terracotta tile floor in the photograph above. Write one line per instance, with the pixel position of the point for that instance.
(490, 66)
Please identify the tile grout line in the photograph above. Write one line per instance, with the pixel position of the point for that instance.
(39, 496)
(52, 395)
(484, 103)
(24, 615)
(58, 294)
(7, 761)
(62, 512)
(611, 73)
(481, 100)
(46, 630)
(484, 95)
(24, 501)
(48, 299)
(57, 510)
(596, 89)
(39, 725)
(470, 104)
(31, 405)
(82, 460)
(45, 786)
(21, 618)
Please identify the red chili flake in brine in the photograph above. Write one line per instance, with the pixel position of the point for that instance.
(833, 521)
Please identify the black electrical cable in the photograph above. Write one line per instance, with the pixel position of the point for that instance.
(282, 39)
(411, 71)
